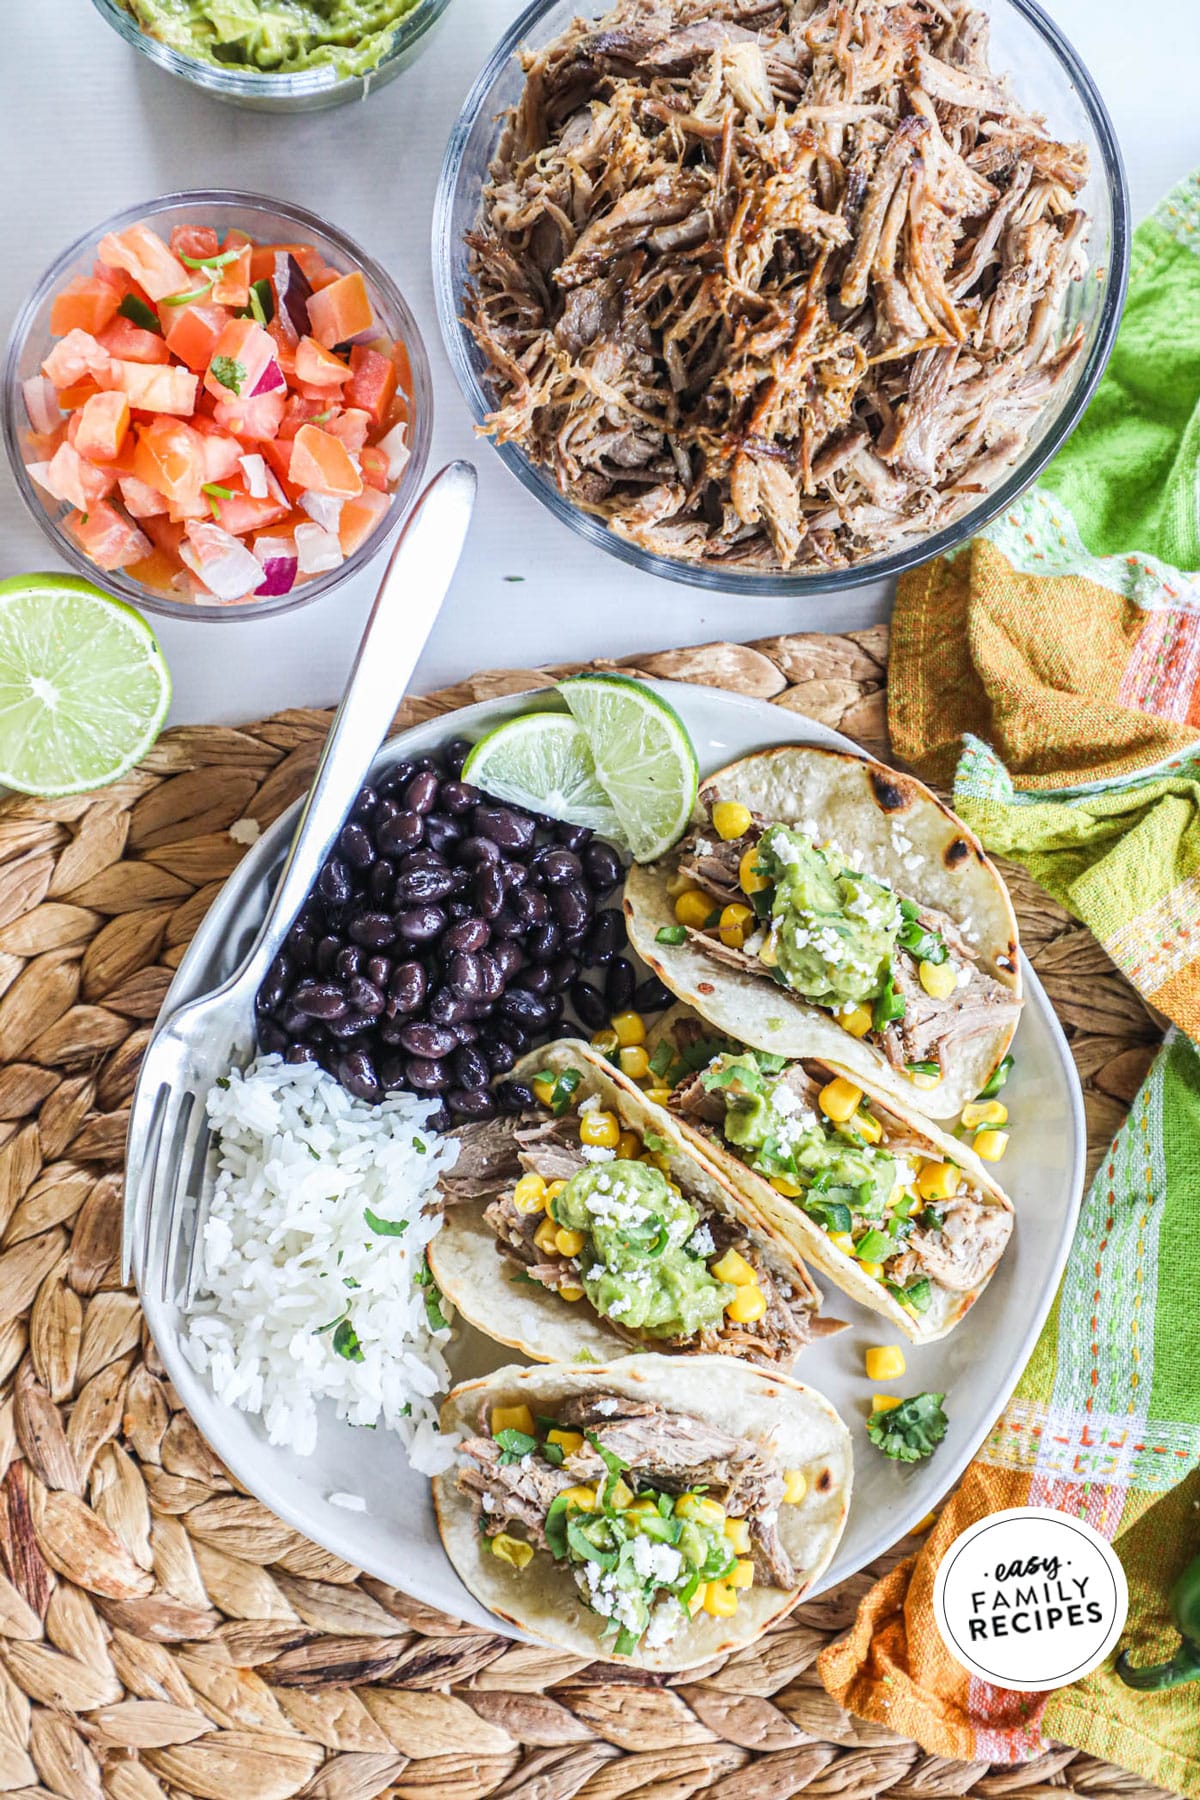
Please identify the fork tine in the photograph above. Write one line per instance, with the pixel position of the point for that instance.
(141, 1157)
(164, 1175)
(197, 1185)
(192, 1131)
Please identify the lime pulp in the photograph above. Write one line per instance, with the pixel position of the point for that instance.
(643, 757)
(542, 762)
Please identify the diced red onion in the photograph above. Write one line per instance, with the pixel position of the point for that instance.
(254, 468)
(41, 403)
(270, 379)
(222, 561)
(277, 556)
(317, 550)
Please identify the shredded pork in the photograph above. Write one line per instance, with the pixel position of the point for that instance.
(773, 284)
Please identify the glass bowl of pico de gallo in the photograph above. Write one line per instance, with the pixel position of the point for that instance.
(217, 406)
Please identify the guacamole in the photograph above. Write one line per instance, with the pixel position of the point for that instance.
(637, 1265)
(275, 37)
(832, 932)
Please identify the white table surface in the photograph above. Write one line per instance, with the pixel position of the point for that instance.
(88, 127)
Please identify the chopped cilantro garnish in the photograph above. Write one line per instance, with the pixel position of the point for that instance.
(138, 313)
(910, 1431)
(384, 1227)
(345, 1342)
(515, 1444)
(229, 372)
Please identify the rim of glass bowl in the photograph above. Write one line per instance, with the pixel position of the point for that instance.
(768, 585)
(249, 84)
(114, 580)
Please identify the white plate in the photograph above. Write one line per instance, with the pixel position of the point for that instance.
(976, 1366)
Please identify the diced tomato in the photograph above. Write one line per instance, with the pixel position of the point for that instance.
(372, 382)
(78, 482)
(156, 570)
(278, 455)
(301, 410)
(221, 451)
(403, 367)
(159, 388)
(284, 340)
(85, 304)
(374, 467)
(235, 237)
(113, 278)
(141, 500)
(351, 426)
(322, 463)
(317, 367)
(232, 286)
(41, 445)
(103, 423)
(262, 260)
(170, 457)
(242, 354)
(70, 398)
(256, 419)
(110, 541)
(192, 332)
(165, 534)
(142, 254)
(196, 241)
(341, 311)
(359, 518)
(243, 513)
(324, 277)
(75, 357)
(132, 343)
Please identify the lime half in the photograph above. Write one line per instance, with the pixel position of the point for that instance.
(542, 761)
(643, 756)
(84, 689)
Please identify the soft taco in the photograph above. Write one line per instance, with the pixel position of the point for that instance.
(656, 1510)
(587, 1223)
(895, 1212)
(829, 904)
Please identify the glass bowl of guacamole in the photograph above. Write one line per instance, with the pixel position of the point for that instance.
(278, 55)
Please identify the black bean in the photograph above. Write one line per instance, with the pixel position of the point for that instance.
(350, 1025)
(505, 826)
(373, 930)
(420, 924)
(619, 984)
(365, 997)
(471, 1103)
(406, 989)
(447, 1007)
(415, 885)
(544, 942)
(605, 937)
(487, 890)
(573, 836)
(491, 974)
(349, 962)
(474, 850)
(430, 1041)
(558, 867)
(466, 1031)
(519, 1004)
(420, 796)
(333, 883)
(354, 842)
(572, 906)
(514, 876)
(554, 1006)
(397, 777)
(391, 1070)
(531, 906)
(439, 1120)
(562, 1028)
(457, 909)
(273, 1040)
(318, 1000)
(538, 980)
(506, 924)
(441, 831)
(458, 796)
(378, 970)
(325, 958)
(589, 1004)
(500, 1056)
(423, 857)
(356, 1072)
(471, 933)
(455, 754)
(425, 1075)
(276, 983)
(652, 995)
(464, 976)
(297, 1053)
(563, 970)
(514, 1096)
(601, 868)
(470, 1068)
(403, 831)
(379, 881)
(302, 946)
(514, 1034)
(508, 957)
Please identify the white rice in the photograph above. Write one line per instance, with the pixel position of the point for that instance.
(288, 1251)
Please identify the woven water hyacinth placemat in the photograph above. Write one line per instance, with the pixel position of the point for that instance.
(161, 1633)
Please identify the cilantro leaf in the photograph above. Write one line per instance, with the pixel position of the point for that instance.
(384, 1227)
(910, 1431)
(515, 1444)
(345, 1342)
(228, 372)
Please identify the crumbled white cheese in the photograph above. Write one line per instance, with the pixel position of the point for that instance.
(665, 1621)
(701, 1242)
(245, 831)
(596, 1153)
(590, 1105)
(660, 1561)
(964, 976)
(607, 1406)
(754, 943)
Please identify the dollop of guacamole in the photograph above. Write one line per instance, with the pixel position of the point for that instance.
(636, 1265)
(833, 931)
(275, 37)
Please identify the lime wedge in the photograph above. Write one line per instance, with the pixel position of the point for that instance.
(643, 756)
(83, 685)
(542, 761)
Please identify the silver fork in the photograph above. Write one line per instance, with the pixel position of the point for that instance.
(168, 1139)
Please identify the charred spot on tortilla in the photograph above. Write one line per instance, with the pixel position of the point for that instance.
(891, 791)
(824, 1481)
(955, 852)
(705, 987)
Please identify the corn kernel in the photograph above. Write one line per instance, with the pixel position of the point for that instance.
(546, 1237)
(600, 1129)
(606, 1042)
(700, 1508)
(857, 1020)
(842, 1240)
(738, 1533)
(884, 1402)
(872, 1270)
(741, 1575)
(629, 1146)
(582, 1497)
(657, 1096)
(552, 1192)
(990, 1145)
(512, 1550)
(783, 1184)
(924, 1078)
(622, 1495)
(720, 1599)
(570, 1292)
(512, 1418)
(529, 1195)
(735, 925)
(568, 1441)
(544, 1090)
(630, 1028)
(885, 1362)
(769, 955)
(735, 1269)
(696, 1601)
(867, 1127)
(634, 1062)
(730, 819)
(693, 908)
(568, 1243)
(839, 1099)
(749, 880)
(938, 1181)
(985, 1112)
(655, 1159)
(747, 1305)
(795, 1486)
(938, 979)
(646, 1506)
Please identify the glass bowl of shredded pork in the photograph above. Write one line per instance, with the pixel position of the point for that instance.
(771, 296)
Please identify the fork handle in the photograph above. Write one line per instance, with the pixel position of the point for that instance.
(409, 599)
